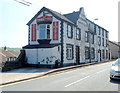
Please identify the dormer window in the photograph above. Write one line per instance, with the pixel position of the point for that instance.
(44, 31)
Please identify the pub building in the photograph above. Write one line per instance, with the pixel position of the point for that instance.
(57, 40)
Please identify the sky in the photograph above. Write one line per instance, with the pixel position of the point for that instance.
(14, 16)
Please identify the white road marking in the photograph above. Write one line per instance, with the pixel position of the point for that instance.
(101, 71)
(76, 81)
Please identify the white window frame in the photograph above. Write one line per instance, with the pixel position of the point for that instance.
(69, 31)
(78, 34)
(47, 28)
(69, 52)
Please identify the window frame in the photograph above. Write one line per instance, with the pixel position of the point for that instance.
(99, 41)
(103, 54)
(92, 54)
(78, 34)
(46, 29)
(86, 36)
(87, 53)
(69, 31)
(103, 42)
(92, 38)
(69, 52)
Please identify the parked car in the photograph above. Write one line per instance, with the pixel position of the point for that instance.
(115, 70)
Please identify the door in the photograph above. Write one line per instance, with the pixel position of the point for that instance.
(99, 56)
(77, 55)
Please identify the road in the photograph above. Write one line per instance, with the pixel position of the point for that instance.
(90, 78)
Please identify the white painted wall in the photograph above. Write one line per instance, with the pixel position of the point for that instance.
(41, 55)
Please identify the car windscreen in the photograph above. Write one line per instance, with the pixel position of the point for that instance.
(117, 63)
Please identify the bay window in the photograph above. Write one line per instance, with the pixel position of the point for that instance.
(44, 31)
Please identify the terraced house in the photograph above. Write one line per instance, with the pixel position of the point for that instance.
(57, 40)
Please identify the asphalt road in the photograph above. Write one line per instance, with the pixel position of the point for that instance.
(90, 78)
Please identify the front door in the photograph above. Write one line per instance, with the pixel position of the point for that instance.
(77, 55)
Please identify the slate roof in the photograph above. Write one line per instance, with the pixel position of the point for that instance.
(73, 16)
(7, 54)
(54, 13)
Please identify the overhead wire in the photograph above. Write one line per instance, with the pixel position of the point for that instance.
(24, 2)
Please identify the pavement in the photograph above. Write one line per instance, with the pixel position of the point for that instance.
(21, 74)
(27, 73)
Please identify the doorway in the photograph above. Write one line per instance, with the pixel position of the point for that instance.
(77, 55)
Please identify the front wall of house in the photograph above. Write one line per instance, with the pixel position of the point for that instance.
(43, 56)
(31, 42)
(31, 56)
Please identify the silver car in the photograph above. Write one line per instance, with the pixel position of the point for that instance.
(115, 70)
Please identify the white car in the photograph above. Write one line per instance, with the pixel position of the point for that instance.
(115, 70)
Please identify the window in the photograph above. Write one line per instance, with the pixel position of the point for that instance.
(33, 38)
(69, 31)
(106, 43)
(103, 54)
(99, 41)
(99, 31)
(86, 36)
(69, 52)
(95, 28)
(78, 34)
(44, 31)
(106, 34)
(103, 41)
(87, 52)
(48, 31)
(103, 32)
(55, 30)
(92, 38)
(106, 54)
(92, 54)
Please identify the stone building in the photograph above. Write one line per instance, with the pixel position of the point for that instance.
(57, 40)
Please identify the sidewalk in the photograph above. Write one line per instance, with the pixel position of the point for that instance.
(21, 73)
